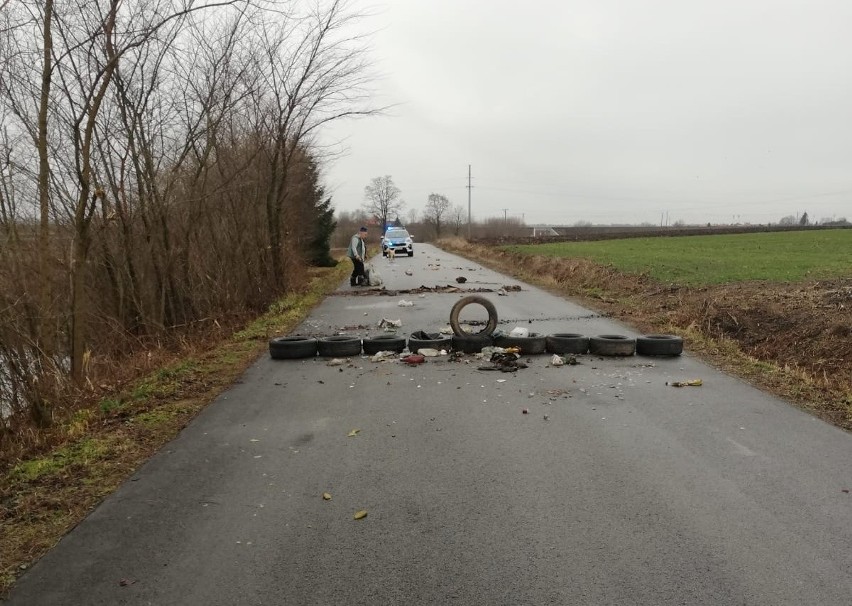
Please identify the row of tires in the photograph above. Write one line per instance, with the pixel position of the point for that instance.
(283, 348)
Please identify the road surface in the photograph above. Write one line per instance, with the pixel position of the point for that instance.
(630, 492)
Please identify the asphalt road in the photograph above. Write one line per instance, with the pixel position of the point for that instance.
(630, 492)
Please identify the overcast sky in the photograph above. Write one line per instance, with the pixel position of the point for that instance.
(610, 111)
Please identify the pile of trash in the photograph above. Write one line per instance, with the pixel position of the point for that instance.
(504, 359)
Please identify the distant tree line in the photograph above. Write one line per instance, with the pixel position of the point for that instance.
(157, 174)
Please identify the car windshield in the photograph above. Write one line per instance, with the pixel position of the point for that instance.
(397, 234)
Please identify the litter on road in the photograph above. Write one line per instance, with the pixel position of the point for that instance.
(689, 383)
(404, 303)
(414, 359)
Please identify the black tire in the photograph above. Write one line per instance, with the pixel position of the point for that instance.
(339, 347)
(373, 345)
(289, 348)
(567, 343)
(464, 302)
(471, 343)
(612, 345)
(659, 345)
(423, 340)
(533, 344)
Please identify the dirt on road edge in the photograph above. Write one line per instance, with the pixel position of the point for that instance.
(790, 339)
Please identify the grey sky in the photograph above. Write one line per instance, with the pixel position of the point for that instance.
(610, 110)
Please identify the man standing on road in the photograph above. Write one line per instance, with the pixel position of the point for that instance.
(358, 253)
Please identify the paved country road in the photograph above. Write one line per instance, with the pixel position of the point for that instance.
(631, 492)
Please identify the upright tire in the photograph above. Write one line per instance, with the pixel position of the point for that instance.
(612, 345)
(464, 302)
(567, 343)
(471, 343)
(289, 348)
(533, 344)
(373, 345)
(659, 345)
(339, 347)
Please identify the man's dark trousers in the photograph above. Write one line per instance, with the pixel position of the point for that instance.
(357, 271)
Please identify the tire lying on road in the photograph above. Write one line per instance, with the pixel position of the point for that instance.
(567, 343)
(659, 345)
(373, 345)
(533, 344)
(289, 348)
(464, 302)
(339, 346)
(426, 340)
(471, 343)
(612, 345)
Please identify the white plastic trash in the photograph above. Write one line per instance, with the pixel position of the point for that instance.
(557, 361)
(404, 303)
(519, 331)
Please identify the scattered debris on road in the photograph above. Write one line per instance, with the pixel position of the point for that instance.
(506, 361)
(414, 359)
(353, 433)
(326, 496)
(360, 515)
(383, 356)
(404, 303)
(689, 383)
(336, 362)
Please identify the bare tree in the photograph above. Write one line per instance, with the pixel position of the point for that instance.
(158, 158)
(310, 72)
(458, 216)
(437, 207)
(382, 199)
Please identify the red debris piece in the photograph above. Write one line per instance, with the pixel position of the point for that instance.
(414, 359)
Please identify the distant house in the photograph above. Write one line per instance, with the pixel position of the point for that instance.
(541, 231)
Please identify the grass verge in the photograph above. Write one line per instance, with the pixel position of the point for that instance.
(43, 497)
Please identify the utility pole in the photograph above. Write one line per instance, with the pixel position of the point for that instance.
(469, 187)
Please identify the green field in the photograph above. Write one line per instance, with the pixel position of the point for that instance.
(774, 256)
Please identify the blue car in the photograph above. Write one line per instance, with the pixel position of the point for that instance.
(399, 240)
